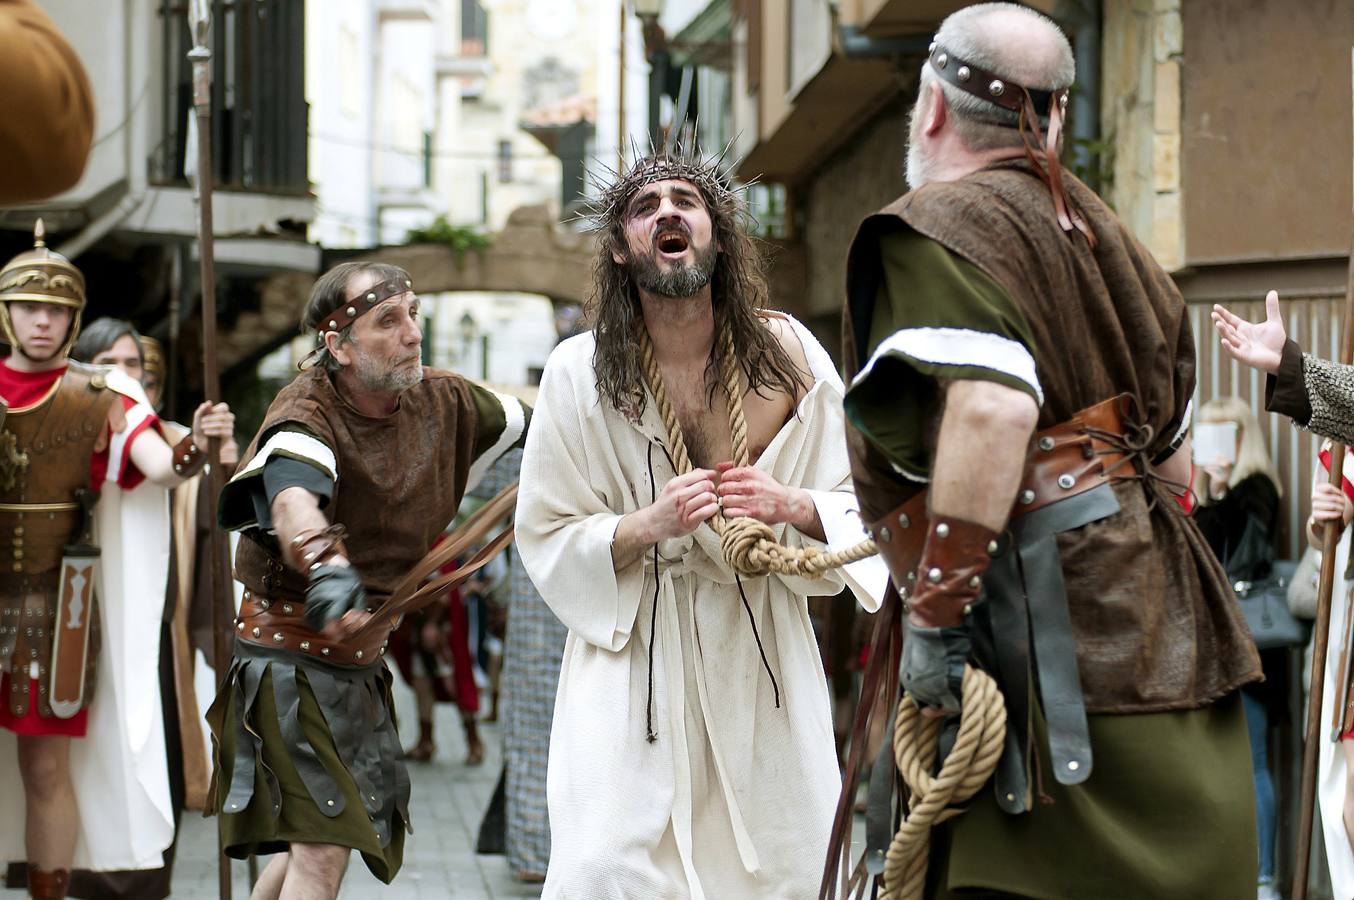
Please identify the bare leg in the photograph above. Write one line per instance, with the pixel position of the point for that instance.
(52, 819)
(315, 871)
(269, 885)
(423, 691)
(426, 747)
(474, 747)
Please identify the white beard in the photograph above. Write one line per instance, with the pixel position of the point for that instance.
(920, 166)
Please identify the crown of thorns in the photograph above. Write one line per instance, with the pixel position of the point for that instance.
(712, 177)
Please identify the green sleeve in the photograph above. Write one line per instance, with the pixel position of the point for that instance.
(501, 425)
(937, 318)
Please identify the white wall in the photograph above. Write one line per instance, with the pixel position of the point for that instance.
(405, 102)
(340, 68)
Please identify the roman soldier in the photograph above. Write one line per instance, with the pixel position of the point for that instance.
(68, 429)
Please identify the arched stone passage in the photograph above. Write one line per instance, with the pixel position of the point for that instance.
(532, 254)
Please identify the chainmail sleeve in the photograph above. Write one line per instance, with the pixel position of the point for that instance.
(1330, 389)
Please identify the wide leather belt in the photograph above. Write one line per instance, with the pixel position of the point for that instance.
(281, 625)
(1067, 459)
(1023, 631)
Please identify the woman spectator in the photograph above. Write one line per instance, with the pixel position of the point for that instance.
(1239, 510)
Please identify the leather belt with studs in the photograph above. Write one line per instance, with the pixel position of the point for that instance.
(281, 624)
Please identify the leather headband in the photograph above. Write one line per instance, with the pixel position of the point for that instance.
(991, 87)
(349, 311)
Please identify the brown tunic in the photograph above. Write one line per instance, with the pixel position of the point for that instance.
(400, 477)
(1156, 624)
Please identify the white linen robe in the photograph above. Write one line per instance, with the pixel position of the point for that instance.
(735, 798)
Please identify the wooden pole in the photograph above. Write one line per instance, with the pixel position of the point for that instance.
(620, 100)
(223, 606)
(1310, 747)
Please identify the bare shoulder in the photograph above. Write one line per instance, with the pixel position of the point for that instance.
(783, 329)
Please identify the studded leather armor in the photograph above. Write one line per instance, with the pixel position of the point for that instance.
(45, 452)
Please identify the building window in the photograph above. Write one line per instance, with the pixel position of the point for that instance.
(505, 162)
(427, 159)
(767, 204)
(474, 28)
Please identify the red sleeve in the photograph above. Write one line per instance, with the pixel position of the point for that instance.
(1344, 471)
(114, 462)
(1186, 500)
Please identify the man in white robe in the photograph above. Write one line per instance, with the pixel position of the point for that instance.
(683, 762)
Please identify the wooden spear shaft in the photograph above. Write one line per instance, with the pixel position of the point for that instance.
(223, 607)
(1331, 537)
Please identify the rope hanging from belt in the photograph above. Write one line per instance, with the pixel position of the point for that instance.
(933, 798)
(748, 545)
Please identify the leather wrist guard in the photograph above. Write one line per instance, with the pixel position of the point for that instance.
(188, 457)
(314, 547)
(950, 574)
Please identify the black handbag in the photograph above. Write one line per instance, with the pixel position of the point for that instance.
(1261, 585)
(1265, 606)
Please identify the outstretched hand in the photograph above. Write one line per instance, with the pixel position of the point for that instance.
(1258, 345)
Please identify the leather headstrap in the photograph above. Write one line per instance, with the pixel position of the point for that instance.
(1041, 150)
(349, 311)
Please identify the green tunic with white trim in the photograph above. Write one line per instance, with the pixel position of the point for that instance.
(975, 280)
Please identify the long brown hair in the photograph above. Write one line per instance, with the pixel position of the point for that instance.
(737, 291)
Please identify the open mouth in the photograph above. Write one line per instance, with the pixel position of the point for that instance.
(672, 242)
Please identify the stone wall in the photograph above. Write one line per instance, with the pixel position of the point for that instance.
(864, 175)
(1140, 119)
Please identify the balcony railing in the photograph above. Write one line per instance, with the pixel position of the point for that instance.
(259, 110)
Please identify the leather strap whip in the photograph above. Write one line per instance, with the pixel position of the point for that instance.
(413, 593)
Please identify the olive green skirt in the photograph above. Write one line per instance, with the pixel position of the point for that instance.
(1169, 812)
(293, 768)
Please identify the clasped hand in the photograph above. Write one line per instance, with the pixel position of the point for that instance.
(688, 500)
(216, 421)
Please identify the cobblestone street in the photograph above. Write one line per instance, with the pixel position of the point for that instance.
(447, 804)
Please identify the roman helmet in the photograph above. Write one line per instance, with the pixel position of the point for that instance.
(41, 275)
(153, 365)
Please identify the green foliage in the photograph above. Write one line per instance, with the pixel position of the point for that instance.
(459, 238)
(1098, 168)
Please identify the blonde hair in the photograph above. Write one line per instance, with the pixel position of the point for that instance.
(1251, 458)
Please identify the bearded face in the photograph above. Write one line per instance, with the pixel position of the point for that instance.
(387, 373)
(670, 238)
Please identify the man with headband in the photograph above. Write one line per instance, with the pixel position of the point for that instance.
(691, 753)
(1020, 379)
(360, 464)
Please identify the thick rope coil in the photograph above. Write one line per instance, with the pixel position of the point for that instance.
(748, 546)
(933, 798)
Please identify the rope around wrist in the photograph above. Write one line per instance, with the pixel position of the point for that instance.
(748, 545)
